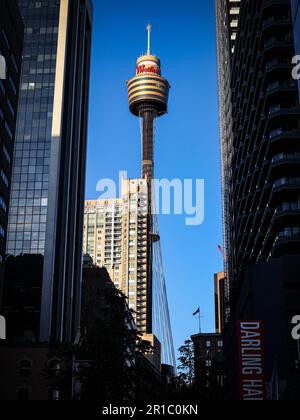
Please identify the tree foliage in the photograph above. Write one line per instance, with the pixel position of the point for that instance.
(186, 364)
(103, 365)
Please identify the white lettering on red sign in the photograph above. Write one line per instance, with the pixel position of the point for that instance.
(251, 361)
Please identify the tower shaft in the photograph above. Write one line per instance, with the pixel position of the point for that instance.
(148, 116)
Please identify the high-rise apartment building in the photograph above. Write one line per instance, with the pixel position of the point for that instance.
(47, 198)
(260, 122)
(256, 173)
(11, 39)
(115, 236)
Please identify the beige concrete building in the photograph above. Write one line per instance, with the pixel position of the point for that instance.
(116, 236)
(220, 301)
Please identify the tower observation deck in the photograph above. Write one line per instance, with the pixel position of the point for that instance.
(148, 94)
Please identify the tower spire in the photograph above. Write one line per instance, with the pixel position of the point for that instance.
(149, 28)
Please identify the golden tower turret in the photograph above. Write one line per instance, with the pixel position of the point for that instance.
(148, 94)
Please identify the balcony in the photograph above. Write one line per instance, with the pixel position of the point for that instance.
(290, 232)
(287, 242)
(278, 66)
(286, 85)
(276, 21)
(284, 214)
(282, 110)
(285, 164)
(282, 138)
(285, 188)
(279, 44)
(288, 206)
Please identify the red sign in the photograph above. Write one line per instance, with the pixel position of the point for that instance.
(251, 360)
(145, 69)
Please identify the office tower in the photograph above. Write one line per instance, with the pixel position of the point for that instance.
(47, 199)
(220, 303)
(115, 236)
(260, 152)
(11, 39)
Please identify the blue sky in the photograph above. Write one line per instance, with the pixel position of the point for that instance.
(187, 143)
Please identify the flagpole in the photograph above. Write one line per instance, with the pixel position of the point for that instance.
(198, 312)
(200, 320)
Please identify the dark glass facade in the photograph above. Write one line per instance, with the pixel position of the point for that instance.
(296, 21)
(47, 199)
(11, 37)
(29, 196)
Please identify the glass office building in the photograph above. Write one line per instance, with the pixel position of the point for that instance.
(47, 198)
(11, 37)
(30, 183)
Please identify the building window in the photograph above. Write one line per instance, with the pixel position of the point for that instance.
(6, 154)
(208, 344)
(4, 177)
(3, 204)
(2, 231)
(25, 368)
(23, 394)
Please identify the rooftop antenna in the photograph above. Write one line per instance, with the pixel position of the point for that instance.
(149, 28)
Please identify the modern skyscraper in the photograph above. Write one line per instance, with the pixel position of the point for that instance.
(47, 200)
(115, 236)
(259, 119)
(11, 39)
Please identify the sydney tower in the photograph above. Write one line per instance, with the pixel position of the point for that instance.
(148, 94)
